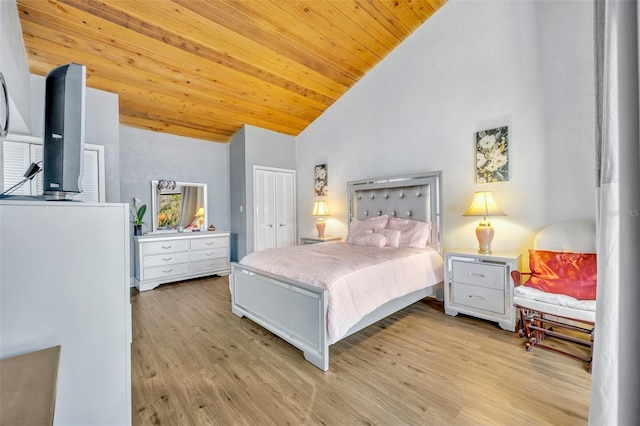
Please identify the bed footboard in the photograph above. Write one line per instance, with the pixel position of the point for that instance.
(294, 311)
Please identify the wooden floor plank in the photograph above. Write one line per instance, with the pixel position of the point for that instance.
(194, 362)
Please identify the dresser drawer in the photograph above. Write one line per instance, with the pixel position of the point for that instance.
(478, 297)
(206, 243)
(209, 254)
(479, 274)
(210, 264)
(160, 247)
(165, 259)
(165, 271)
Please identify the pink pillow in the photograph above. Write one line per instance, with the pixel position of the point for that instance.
(413, 233)
(392, 236)
(369, 239)
(573, 274)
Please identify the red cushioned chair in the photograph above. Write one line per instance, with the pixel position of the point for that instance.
(558, 297)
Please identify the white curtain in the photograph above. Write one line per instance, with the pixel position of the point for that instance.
(190, 203)
(615, 392)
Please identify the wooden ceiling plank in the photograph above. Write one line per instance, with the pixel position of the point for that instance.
(232, 15)
(228, 110)
(136, 59)
(336, 19)
(204, 31)
(175, 40)
(309, 21)
(154, 126)
(372, 8)
(102, 66)
(291, 25)
(352, 10)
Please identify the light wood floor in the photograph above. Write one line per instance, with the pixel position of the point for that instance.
(195, 363)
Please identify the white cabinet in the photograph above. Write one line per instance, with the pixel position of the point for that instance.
(480, 285)
(64, 280)
(164, 258)
(274, 193)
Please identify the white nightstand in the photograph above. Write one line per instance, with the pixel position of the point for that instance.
(480, 285)
(314, 240)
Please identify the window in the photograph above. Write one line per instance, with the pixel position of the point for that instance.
(20, 151)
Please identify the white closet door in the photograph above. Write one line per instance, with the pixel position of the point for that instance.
(265, 209)
(285, 209)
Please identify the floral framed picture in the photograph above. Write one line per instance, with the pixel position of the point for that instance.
(492, 155)
(321, 180)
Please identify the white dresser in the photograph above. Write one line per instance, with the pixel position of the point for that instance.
(480, 285)
(164, 258)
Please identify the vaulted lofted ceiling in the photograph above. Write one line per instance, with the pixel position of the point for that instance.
(203, 68)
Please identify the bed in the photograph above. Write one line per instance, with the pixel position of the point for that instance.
(305, 304)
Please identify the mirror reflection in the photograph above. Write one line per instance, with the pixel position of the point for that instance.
(178, 206)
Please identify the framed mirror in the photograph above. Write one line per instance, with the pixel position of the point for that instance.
(178, 205)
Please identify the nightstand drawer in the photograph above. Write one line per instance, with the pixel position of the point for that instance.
(478, 297)
(479, 274)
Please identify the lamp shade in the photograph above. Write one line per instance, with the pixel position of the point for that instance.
(483, 204)
(320, 208)
(200, 212)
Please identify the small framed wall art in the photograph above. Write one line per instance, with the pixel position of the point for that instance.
(321, 180)
(492, 155)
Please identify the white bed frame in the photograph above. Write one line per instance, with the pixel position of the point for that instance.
(297, 312)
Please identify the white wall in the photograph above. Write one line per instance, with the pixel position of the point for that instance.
(472, 66)
(14, 67)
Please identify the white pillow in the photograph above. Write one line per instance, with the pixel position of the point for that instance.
(392, 236)
(368, 239)
(366, 226)
(357, 232)
(377, 222)
(413, 233)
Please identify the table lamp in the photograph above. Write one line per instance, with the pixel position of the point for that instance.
(320, 209)
(484, 205)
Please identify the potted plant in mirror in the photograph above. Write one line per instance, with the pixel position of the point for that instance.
(138, 216)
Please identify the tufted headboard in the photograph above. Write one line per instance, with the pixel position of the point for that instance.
(416, 197)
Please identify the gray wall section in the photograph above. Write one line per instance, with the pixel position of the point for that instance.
(147, 156)
(255, 146)
(238, 217)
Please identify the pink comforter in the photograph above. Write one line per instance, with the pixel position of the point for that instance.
(359, 279)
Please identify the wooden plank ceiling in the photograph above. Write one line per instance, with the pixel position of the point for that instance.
(203, 68)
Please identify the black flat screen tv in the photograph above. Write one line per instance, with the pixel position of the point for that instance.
(63, 144)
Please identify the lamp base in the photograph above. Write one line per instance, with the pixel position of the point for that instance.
(320, 226)
(484, 233)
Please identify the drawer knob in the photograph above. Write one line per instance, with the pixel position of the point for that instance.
(210, 243)
(166, 271)
(475, 274)
(166, 247)
(167, 259)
